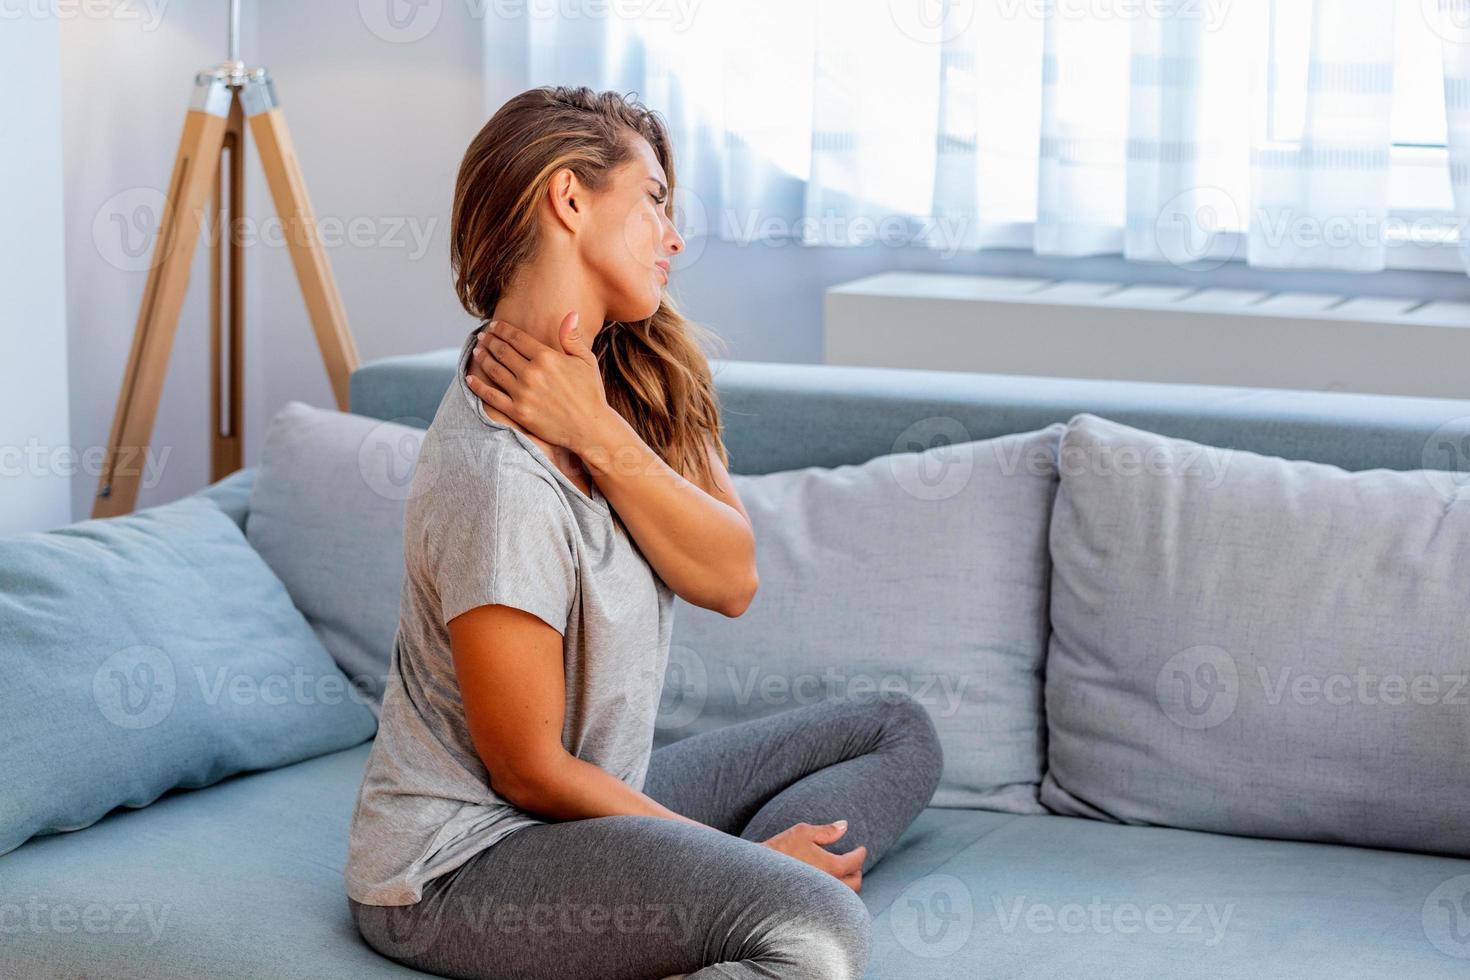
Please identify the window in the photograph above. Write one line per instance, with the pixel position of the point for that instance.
(1420, 198)
(1072, 127)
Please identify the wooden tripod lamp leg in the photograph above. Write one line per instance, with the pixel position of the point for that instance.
(163, 296)
(227, 306)
(313, 271)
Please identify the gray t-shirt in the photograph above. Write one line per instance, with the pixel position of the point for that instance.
(490, 519)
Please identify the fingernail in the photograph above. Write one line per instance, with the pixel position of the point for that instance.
(840, 823)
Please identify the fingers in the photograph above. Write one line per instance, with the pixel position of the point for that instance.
(491, 370)
(840, 864)
(826, 833)
(477, 364)
(847, 867)
(515, 337)
(491, 349)
(851, 861)
(489, 394)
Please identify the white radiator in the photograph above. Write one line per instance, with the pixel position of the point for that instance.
(1150, 333)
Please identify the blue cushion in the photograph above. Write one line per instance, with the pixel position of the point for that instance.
(231, 494)
(146, 652)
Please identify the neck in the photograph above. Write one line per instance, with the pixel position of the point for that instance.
(537, 303)
(541, 299)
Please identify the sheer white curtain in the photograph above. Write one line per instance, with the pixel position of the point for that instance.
(1187, 131)
(1320, 169)
(1453, 26)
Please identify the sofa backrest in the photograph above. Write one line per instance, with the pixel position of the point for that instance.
(787, 417)
(784, 416)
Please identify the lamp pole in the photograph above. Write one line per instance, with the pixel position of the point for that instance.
(234, 47)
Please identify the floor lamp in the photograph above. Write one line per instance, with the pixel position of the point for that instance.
(214, 129)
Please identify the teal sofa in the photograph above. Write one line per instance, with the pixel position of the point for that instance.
(244, 878)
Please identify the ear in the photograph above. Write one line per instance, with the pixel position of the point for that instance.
(567, 194)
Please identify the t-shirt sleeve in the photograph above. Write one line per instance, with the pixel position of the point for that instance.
(506, 539)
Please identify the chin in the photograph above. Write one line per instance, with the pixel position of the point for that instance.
(634, 310)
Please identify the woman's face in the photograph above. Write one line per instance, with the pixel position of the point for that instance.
(629, 237)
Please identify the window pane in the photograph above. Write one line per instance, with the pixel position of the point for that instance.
(1418, 104)
(1418, 91)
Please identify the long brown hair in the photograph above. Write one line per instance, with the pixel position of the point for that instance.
(654, 372)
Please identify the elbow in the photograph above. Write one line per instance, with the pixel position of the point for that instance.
(740, 599)
(516, 789)
(527, 786)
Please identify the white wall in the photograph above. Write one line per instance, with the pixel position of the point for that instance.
(380, 124)
(35, 456)
(127, 78)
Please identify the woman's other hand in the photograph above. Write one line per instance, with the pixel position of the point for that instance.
(804, 842)
(557, 395)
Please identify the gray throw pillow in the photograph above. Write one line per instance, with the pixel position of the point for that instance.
(1258, 646)
(922, 572)
(326, 513)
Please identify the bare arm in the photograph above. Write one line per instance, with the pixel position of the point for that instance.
(697, 537)
(511, 678)
(510, 671)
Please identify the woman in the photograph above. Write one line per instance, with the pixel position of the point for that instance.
(512, 820)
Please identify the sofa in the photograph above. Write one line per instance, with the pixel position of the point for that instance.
(1099, 868)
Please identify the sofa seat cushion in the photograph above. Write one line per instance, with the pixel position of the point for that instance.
(1052, 896)
(244, 880)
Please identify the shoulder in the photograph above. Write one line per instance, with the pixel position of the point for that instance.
(486, 471)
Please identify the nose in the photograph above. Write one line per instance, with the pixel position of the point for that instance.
(673, 240)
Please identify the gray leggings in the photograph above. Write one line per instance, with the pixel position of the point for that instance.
(644, 898)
